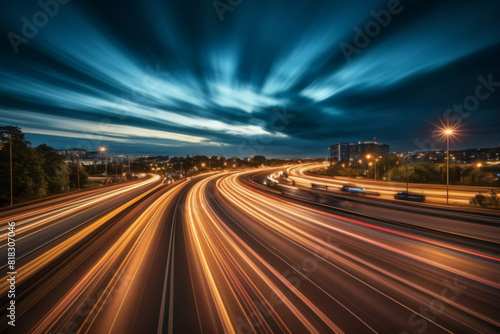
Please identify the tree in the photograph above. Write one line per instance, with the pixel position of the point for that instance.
(74, 177)
(28, 174)
(56, 170)
(492, 200)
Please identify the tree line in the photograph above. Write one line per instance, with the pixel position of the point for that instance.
(37, 171)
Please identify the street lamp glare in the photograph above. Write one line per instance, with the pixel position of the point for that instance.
(448, 132)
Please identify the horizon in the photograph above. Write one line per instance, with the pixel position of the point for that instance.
(137, 154)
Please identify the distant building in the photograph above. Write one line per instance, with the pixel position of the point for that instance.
(354, 152)
(73, 153)
(339, 152)
(350, 151)
(465, 156)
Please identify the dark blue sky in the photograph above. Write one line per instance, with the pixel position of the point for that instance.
(274, 78)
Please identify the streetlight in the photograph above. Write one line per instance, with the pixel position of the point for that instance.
(407, 173)
(103, 150)
(479, 165)
(447, 132)
(374, 166)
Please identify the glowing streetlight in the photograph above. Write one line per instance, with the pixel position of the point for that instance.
(447, 132)
(103, 150)
(374, 166)
(479, 165)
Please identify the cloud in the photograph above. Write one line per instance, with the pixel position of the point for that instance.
(171, 74)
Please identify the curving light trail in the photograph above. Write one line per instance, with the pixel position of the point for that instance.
(223, 253)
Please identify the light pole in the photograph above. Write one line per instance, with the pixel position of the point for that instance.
(103, 150)
(374, 166)
(448, 132)
(209, 163)
(407, 174)
(11, 178)
(479, 165)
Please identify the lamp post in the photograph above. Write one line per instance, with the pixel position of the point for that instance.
(407, 174)
(374, 166)
(103, 150)
(479, 165)
(448, 132)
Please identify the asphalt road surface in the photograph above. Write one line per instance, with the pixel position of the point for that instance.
(435, 193)
(223, 253)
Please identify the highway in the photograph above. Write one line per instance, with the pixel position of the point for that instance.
(224, 253)
(435, 193)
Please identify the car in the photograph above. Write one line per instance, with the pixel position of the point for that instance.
(353, 189)
(407, 196)
(269, 181)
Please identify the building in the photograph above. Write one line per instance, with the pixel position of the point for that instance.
(339, 152)
(383, 150)
(464, 156)
(350, 151)
(72, 153)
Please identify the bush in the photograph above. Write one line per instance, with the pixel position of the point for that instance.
(491, 201)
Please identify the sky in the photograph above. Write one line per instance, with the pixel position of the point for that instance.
(280, 78)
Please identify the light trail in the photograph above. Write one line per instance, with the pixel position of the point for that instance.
(434, 193)
(223, 253)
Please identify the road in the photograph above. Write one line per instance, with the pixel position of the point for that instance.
(222, 253)
(435, 193)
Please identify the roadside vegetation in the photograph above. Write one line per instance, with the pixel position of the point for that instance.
(490, 200)
(37, 171)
